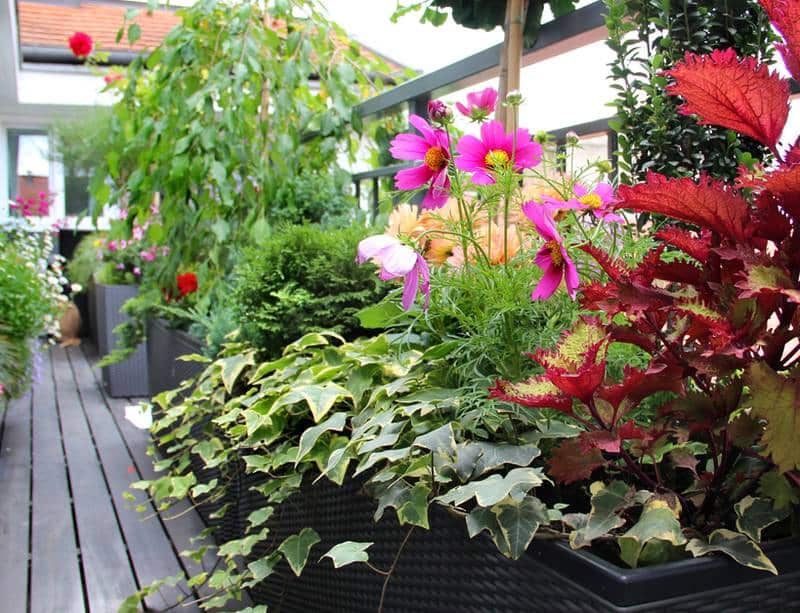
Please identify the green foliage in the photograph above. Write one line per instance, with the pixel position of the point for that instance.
(648, 37)
(301, 279)
(223, 121)
(313, 197)
(84, 263)
(81, 144)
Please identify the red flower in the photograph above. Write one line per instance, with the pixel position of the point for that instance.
(187, 283)
(81, 44)
(112, 76)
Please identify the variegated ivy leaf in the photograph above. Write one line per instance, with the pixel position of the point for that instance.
(242, 546)
(348, 553)
(319, 397)
(442, 440)
(488, 492)
(777, 399)
(519, 521)
(335, 422)
(733, 544)
(297, 547)
(608, 502)
(233, 366)
(658, 521)
(755, 514)
(390, 455)
(473, 459)
(313, 339)
(481, 518)
(410, 503)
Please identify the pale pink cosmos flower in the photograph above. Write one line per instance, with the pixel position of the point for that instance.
(137, 271)
(600, 201)
(397, 260)
(123, 213)
(479, 104)
(552, 258)
(433, 150)
(111, 245)
(138, 232)
(494, 151)
(148, 255)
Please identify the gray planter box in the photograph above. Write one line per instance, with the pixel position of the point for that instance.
(164, 347)
(128, 378)
(91, 297)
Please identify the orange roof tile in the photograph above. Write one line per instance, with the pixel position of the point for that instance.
(50, 25)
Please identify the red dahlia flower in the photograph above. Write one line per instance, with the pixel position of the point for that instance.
(187, 283)
(81, 44)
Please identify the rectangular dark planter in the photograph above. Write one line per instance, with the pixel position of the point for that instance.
(127, 378)
(91, 300)
(164, 347)
(444, 570)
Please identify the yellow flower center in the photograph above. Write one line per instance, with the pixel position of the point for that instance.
(555, 253)
(436, 158)
(496, 159)
(593, 201)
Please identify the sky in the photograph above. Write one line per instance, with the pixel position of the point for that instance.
(419, 46)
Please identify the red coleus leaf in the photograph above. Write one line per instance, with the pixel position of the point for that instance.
(784, 185)
(599, 439)
(630, 431)
(578, 379)
(638, 384)
(785, 16)
(766, 278)
(615, 269)
(695, 246)
(708, 204)
(739, 94)
(569, 462)
(536, 392)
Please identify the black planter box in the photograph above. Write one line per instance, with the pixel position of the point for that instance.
(164, 347)
(443, 570)
(127, 378)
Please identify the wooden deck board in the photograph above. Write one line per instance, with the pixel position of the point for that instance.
(55, 570)
(148, 545)
(107, 570)
(15, 477)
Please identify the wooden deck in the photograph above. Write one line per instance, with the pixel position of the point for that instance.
(70, 541)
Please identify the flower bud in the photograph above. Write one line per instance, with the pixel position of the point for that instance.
(514, 98)
(541, 137)
(439, 112)
(572, 138)
(605, 166)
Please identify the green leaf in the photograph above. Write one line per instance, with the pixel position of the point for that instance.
(320, 398)
(415, 509)
(335, 422)
(242, 546)
(348, 553)
(658, 521)
(260, 516)
(379, 315)
(474, 459)
(519, 522)
(733, 544)
(755, 514)
(134, 33)
(488, 492)
(442, 440)
(297, 547)
(777, 399)
(481, 518)
(608, 502)
(233, 366)
(263, 567)
(218, 173)
(776, 486)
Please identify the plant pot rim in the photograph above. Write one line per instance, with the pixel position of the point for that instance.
(181, 333)
(638, 586)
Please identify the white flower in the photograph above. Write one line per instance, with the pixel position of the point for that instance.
(140, 415)
(76, 287)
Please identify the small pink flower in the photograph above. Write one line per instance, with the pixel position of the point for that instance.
(433, 149)
(495, 151)
(600, 201)
(552, 258)
(137, 272)
(480, 104)
(123, 213)
(138, 232)
(397, 260)
(164, 251)
(154, 208)
(120, 266)
(439, 112)
(112, 76)
(112, 246)
(148, 255)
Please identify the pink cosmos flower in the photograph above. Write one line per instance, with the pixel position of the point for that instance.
(137, 271)
(600, 201)
(432, 148)
(148, 255)
(138, 232)
(494, 151)
(120, 266)
(397, 260)
(480, 104)
(552, 258)
(123, 213)
(112, 246)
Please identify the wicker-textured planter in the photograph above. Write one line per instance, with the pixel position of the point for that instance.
(91, 300)
(127, 378)
(442, 570)
(164, 347)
